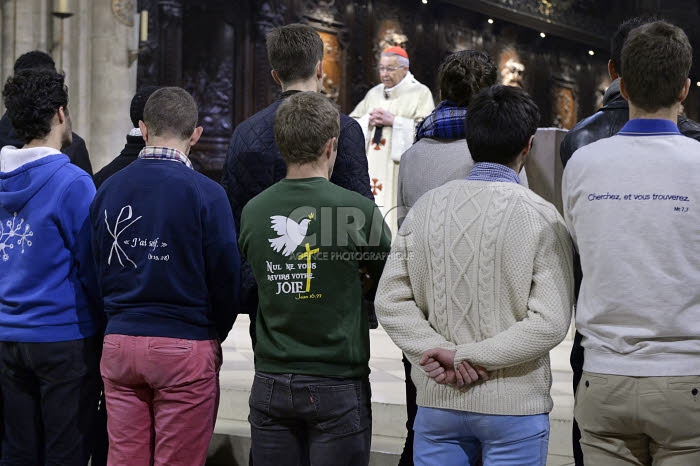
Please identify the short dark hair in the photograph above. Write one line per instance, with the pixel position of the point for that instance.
(304, 122)
(656, 60)
(293, 51)
(171, 110)
(32, 98)
(36, 59)
(499, 123)
(618, 40)
(138, 102)
(465, 73)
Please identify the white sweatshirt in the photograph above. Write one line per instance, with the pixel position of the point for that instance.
(632, 205)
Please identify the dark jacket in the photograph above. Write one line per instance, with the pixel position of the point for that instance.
(608, 121)
(77, 151)
(129, 153)
(254, 163)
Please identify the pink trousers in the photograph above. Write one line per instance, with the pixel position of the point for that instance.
(162, 396)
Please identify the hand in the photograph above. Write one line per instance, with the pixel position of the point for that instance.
(381, 117)
(439, 364)
(471, 374)
(366, 281)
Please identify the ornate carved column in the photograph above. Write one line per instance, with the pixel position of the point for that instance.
(169, 34)
(270, 14)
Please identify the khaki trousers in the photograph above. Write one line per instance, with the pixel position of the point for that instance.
(639, 420)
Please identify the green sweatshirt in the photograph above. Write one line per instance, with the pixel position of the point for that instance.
(312, 324)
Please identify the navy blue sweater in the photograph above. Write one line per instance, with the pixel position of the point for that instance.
(165, 248)
(254, 163)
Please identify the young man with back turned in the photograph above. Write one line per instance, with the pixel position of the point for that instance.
(306, 239)
(630, 202)
(477, 290)
(49, 312)
(253, 162)
(167, 261)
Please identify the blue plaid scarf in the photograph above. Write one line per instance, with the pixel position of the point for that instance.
(446, 122)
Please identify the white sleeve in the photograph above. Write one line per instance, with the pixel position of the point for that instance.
(402, 136)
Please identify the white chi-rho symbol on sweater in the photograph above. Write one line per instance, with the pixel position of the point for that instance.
(116, 249)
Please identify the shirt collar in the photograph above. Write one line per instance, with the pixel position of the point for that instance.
(489, 171)
(164, 153)
(649, 127)
(406, 78)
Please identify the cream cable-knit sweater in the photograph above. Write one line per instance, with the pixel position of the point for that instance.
(483, 268)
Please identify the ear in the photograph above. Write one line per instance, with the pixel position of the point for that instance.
(144, 131)
(61, 112)
(319, 70)
(684, 91)
(328, 148)
(196, 134)
(623, 90)
(526, 150)
(275, 77)
(611, 70)
(519, 161)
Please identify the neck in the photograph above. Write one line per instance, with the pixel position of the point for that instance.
(516, 167)
(307, 85)
(307, 171)
(171, 143)
(51, 140)
(667, 113)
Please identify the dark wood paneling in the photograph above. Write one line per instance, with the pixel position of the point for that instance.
(216, 49)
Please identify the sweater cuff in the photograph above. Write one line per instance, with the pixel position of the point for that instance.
(464, 353)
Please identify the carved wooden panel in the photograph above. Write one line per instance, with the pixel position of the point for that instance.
(564, 102)
(333, 78)
(216, 49)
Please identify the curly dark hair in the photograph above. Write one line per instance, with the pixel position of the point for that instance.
(463, 74)
(34, 60)
(32, 98)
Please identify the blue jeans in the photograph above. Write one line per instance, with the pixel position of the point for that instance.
(292, 415)
(448, 437)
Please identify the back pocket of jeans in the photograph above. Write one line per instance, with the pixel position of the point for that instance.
(336, 408)
(260, 400)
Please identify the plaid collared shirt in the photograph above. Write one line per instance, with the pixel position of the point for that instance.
(488, 171)
(164, 153)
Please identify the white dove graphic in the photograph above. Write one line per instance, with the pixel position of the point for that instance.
(291, 233)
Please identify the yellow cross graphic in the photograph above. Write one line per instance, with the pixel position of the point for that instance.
(307, 256)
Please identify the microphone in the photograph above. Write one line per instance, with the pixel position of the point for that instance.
(377, 135)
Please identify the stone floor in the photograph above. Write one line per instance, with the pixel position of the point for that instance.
(232, 434)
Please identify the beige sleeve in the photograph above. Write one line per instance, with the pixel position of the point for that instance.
(549, 308)
(360, 110)
(395, 304)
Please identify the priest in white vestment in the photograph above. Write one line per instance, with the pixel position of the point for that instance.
(388, 116)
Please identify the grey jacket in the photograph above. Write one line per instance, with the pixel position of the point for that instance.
(430, 163)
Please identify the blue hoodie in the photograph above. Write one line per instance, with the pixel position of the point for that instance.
(47, 278)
